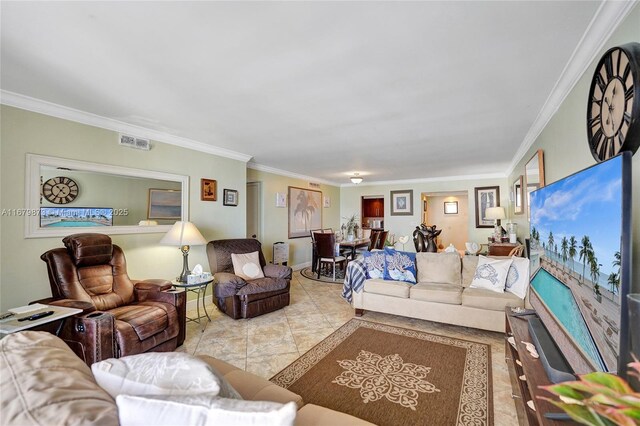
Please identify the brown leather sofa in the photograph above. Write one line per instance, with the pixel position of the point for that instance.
(246, 299)
(121, 316)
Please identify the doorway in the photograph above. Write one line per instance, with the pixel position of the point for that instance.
(254, 210)
(449, 211)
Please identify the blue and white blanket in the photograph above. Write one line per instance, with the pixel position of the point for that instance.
(354, 279)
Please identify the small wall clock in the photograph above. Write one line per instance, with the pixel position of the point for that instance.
(613, 111)
(60, 190)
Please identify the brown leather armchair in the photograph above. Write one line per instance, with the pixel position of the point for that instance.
(121, 316)
(246, 299)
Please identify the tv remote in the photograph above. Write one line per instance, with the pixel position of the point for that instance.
(36, 316)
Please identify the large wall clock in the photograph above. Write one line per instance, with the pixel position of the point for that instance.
(60, 190)
(613, 111)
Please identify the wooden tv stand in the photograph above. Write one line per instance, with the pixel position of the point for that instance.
(525, 390)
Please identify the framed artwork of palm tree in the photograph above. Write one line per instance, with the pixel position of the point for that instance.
(305, 211)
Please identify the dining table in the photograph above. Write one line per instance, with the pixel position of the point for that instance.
(352, 245)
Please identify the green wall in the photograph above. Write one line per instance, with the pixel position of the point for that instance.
(23, 276)
(564, 140)
(275, 219)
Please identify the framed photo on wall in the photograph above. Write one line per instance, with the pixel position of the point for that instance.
(486, 196)
(281, 199)
(164, 204)
(305, 211)
(208, 190)
(450, 207)
(230, 197)
(402, 203)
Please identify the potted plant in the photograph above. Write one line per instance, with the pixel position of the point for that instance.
(599, 399)
(351, 226)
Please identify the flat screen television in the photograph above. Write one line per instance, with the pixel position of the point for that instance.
(51, 217)
(580, 243)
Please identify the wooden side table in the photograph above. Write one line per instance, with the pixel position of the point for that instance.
(501, 249)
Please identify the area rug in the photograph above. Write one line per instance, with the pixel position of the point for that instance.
(393, 376)
(325, 276)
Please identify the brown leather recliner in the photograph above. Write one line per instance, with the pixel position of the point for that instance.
(125, 317)
(246, 299)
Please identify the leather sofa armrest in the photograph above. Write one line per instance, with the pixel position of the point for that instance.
(177, 298)
(227, 284)
(152, 284)
(277, 271)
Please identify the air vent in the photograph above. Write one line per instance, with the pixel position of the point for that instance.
(314, 185)
(133, 142)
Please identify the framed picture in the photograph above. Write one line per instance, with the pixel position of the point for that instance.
(517, 189)
(208, 190)
(305, 211)
(402, 203)
(326, 202)
(533, 175)
(450, 207)
(230, 197)
(165, 204)
(486, 196)
(281, 199)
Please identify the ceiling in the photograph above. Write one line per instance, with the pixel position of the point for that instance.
(392, 90)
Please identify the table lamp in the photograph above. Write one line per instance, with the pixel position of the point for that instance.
(183, 235)
(496, 213)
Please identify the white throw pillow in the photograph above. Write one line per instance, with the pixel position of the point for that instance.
(156, 373)
(202, 410)
(518, 277)
(491, 274)
(247, 265)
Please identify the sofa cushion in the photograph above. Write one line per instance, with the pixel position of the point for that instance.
(146, 318)
(441, 268)
(399, 265)
(387, 288)
(315, 415)
(202, 409)
(469, 265)
(250, 386)
(490, 300)
(436, 292)
(42, 382)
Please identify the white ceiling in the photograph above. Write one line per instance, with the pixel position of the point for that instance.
(393, 90)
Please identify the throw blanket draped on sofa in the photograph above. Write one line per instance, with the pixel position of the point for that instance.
(353, 279)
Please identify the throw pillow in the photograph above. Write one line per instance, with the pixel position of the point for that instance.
(491, 274)
(202, 410)
(518, 277)
(441, 268)
(374, 263)
(399, 265)
(160, 373)
(247, 265)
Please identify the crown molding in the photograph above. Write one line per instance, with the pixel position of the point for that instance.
(604, 22)
(48, 108)
(498, 175)
(268, 169)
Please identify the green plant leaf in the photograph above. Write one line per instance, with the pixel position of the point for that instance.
(566, 390)
(616, 416)
(581, 414)
(634, 413)
(609, 380)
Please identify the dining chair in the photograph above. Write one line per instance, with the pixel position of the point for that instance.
(314, 252)
(380, 240)
(517, 251)
(326, 252)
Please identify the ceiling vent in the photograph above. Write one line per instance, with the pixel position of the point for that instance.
(133, 142)
(314, 185)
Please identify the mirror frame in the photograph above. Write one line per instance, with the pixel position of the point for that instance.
(32, 196)
(518, 192)
(539, 155)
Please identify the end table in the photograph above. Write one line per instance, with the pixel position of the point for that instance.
(200, 290)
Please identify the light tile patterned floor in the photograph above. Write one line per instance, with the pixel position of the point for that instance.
(266, 344)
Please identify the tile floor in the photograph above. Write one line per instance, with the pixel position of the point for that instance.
(266, 344)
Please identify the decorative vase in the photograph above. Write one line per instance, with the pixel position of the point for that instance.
(351, 235)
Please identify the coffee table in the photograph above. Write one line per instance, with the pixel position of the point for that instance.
(12, 325)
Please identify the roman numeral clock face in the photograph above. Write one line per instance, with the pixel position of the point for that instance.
(60, 190)
(614, 103)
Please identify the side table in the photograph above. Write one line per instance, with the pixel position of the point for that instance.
(60, 313)
(200, 290)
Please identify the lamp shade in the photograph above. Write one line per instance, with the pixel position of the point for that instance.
(183, 234)
(495, 213)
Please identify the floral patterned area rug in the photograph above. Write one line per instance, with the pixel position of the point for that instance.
(393, 376)
(326, 275)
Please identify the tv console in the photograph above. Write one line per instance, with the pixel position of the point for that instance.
(534, 371)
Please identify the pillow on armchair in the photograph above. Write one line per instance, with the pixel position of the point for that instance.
(247, 265)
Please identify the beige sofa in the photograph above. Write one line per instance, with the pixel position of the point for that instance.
(442, 294)
(42, 382)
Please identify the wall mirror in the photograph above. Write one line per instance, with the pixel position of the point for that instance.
(67, 196)
(534, 175)
(518, 208)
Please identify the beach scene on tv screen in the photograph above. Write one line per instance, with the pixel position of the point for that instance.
(52, 217)
(576, 226)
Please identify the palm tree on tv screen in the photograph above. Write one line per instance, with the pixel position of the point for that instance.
(594, 271)
(564, 248)
(550, 240)
(573, 250)
(585, 248)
